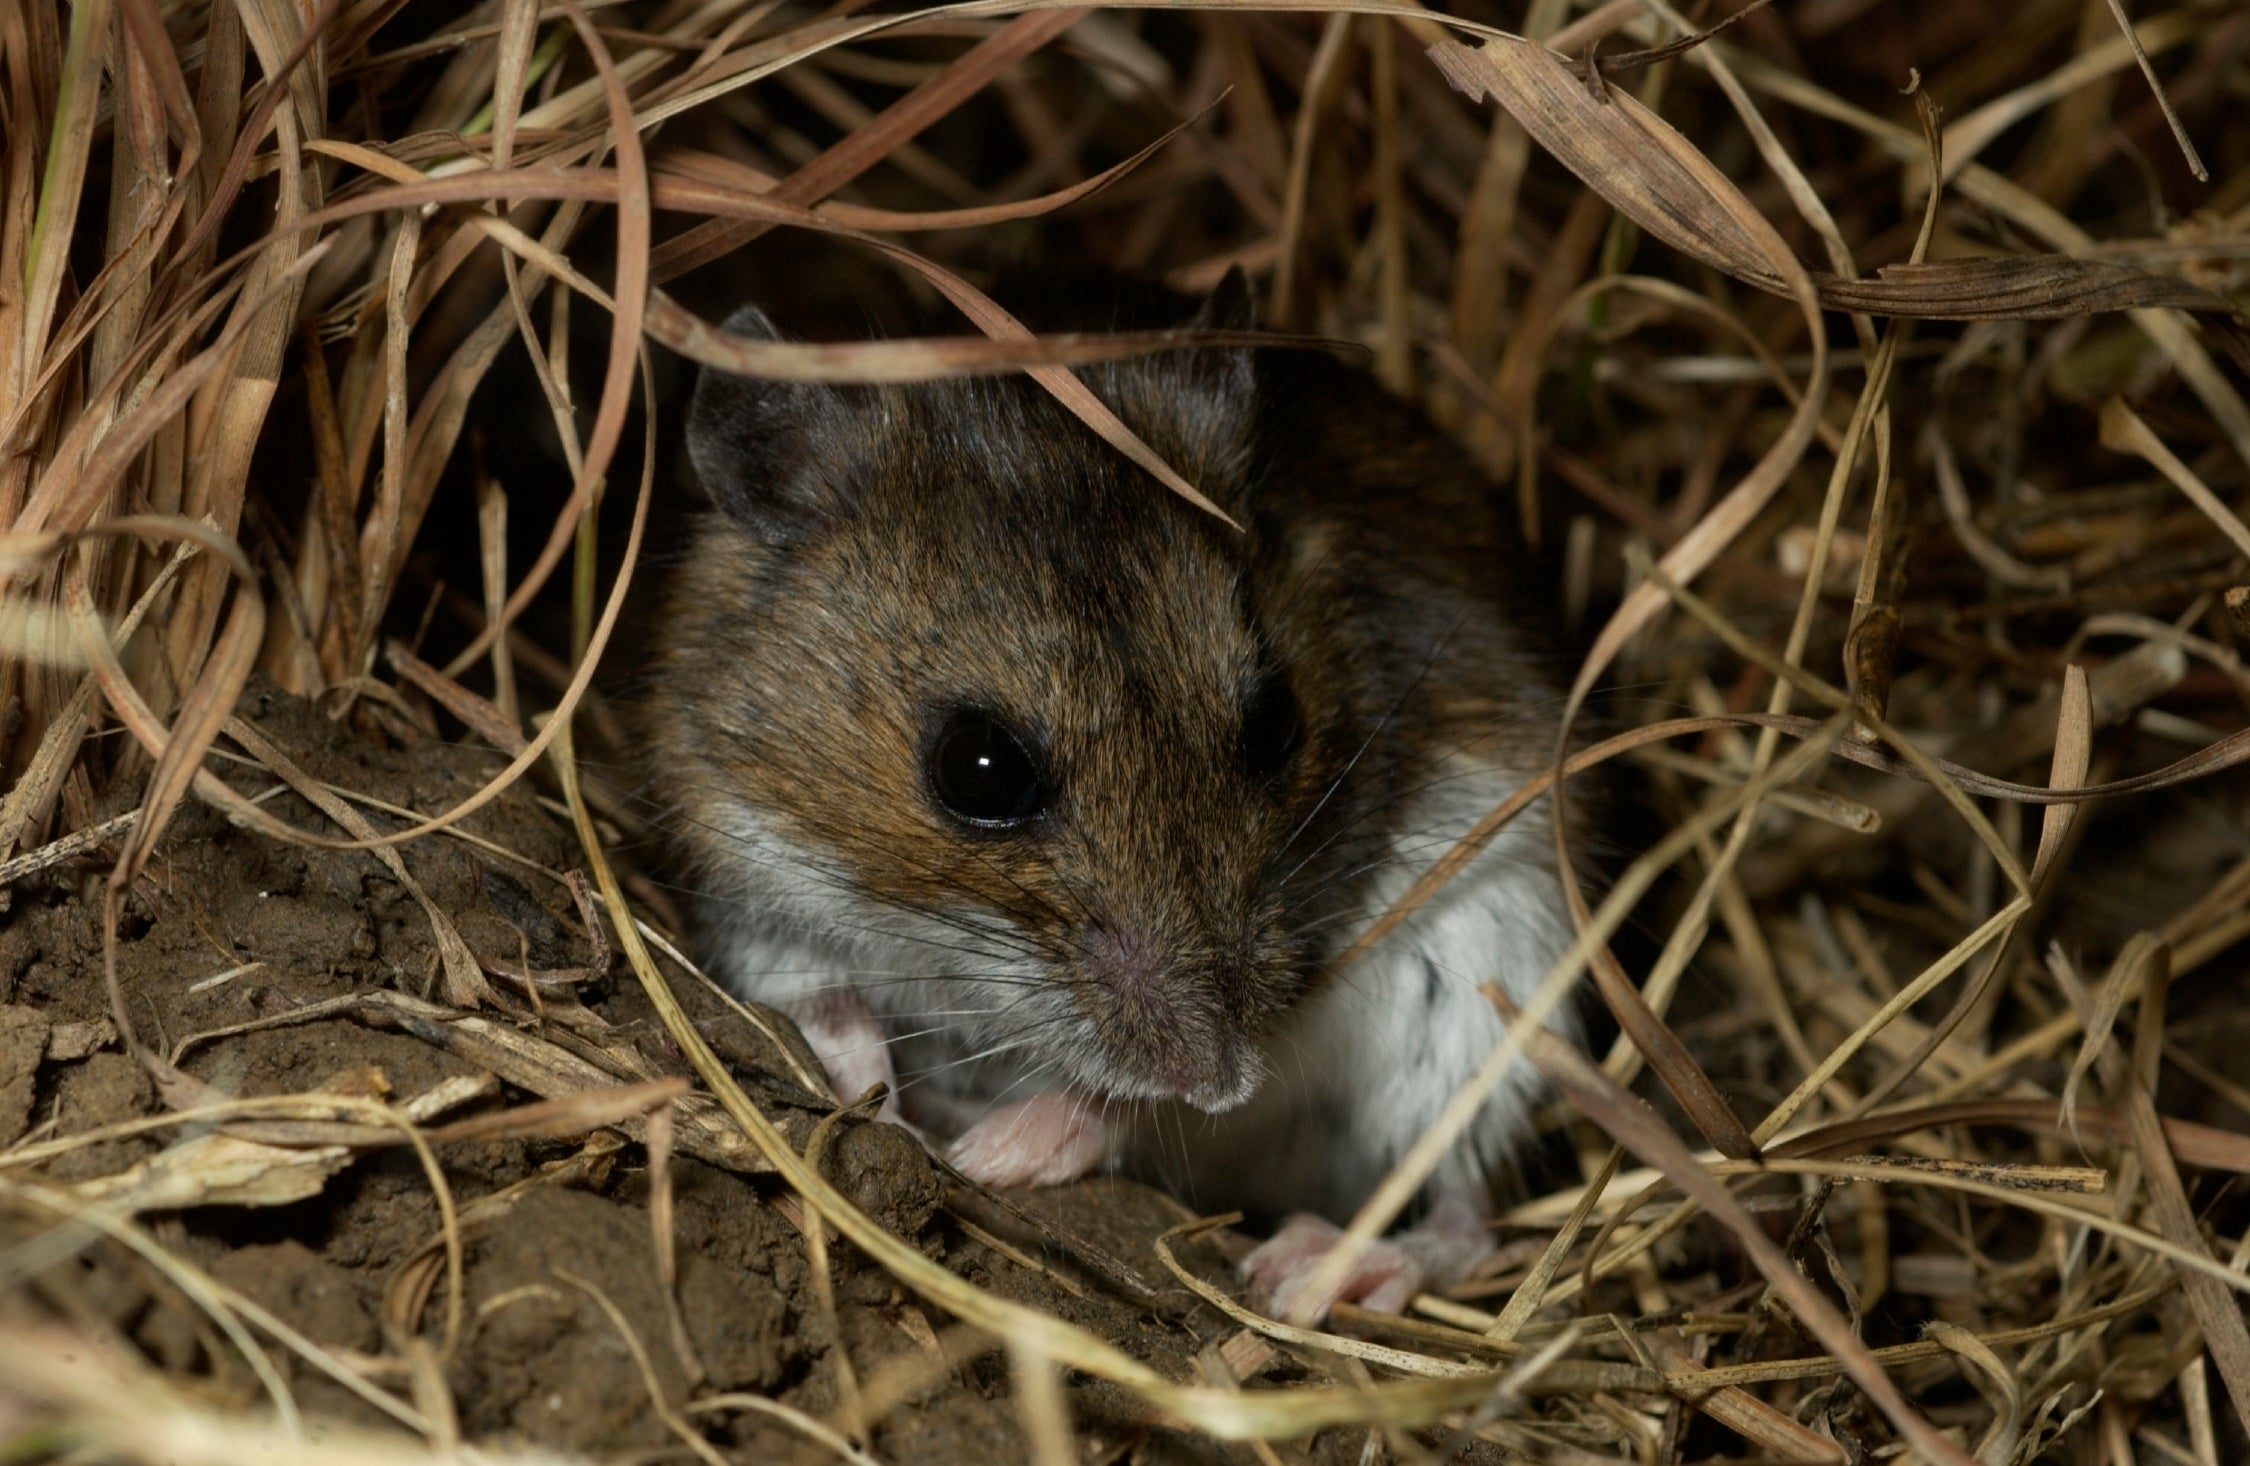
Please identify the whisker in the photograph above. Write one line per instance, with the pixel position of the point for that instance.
(1381, 725)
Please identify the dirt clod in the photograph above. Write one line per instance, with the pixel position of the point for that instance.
(23, 1042)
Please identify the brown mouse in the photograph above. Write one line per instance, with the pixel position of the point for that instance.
(1048, 798)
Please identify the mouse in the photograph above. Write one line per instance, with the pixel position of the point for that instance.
(1048, 799)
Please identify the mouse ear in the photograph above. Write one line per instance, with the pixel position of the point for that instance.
(1222, 380)
(1229, 306)
(761, 448)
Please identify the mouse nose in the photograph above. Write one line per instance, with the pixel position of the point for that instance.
(1162, 1022)
(1220, 1093)
(1124, 964)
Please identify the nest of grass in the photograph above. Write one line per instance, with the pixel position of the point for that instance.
(1870, 372)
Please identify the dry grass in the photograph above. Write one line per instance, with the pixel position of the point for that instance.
(1998, 519)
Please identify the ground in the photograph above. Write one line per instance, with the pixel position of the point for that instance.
(231, 938)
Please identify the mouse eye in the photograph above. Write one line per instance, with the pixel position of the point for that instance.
(982, 772)
(1270, 729)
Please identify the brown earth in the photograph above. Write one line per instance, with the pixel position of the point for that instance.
(229, 948)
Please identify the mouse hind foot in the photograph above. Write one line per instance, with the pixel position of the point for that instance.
(1438, 1250)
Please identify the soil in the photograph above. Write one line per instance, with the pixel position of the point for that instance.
(271, 969)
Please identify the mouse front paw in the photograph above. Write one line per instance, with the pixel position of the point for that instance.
(1041, 1141)
(843, 1032)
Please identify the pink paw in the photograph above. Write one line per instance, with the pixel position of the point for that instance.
(843, 1031)
(1388, 1273)
(1385, 1278)
(1045, 1140)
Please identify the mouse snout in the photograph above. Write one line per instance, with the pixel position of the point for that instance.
(1161, 1016)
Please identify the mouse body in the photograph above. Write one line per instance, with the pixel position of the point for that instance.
(1048, 798)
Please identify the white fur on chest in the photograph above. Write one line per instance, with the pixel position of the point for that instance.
(1355, 1077)
(1371, 1061)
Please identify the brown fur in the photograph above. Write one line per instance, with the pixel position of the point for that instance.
(889, 553)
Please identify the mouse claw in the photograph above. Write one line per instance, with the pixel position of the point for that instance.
(1045, 1140)
(1385, 1278)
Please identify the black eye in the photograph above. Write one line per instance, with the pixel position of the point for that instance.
(982, 772)
(1270, 729)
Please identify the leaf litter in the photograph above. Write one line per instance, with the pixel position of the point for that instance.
(349, 1072)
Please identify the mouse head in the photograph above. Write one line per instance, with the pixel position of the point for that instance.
(950, 680)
